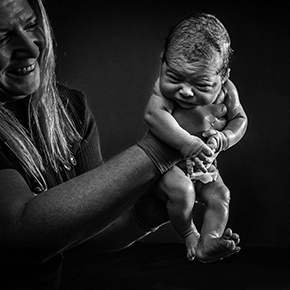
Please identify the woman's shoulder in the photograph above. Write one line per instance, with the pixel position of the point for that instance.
(77, 105)
(71, 96)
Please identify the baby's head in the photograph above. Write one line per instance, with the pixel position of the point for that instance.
(200, 40)
(195, 62)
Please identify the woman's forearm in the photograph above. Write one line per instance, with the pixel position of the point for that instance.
(78, 209)
(124, 231)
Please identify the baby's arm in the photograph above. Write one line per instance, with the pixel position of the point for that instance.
(163, 125)
(236, 125)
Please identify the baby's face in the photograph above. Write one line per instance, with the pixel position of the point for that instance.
(189, 86)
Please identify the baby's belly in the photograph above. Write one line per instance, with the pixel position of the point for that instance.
(200, 119)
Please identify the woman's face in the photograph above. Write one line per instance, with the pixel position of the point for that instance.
(21, 43)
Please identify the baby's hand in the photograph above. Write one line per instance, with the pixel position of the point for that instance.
(198, 151)
(217, 141)
(213, 139)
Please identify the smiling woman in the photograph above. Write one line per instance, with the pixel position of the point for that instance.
(27, 67)
(56, 192)
(21, 41)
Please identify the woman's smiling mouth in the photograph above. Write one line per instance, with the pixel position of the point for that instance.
(23, 70)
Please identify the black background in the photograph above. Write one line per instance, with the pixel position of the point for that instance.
(110, 51)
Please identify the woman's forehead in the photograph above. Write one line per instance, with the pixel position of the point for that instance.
(14, 10)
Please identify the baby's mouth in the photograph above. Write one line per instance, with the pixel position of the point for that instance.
(21, 71)
(186, 105)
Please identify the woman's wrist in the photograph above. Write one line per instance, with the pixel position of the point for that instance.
(162, 155)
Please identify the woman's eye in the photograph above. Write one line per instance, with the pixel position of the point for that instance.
(31, 26)
(3, 38)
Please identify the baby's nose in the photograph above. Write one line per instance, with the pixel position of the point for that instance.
(186, 91)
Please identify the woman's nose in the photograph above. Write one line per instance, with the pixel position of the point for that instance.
(26, 46)
(186, 91)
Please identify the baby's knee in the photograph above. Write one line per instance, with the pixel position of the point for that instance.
(221, 195)
(179, 191)
(224, 194)
(185, 191)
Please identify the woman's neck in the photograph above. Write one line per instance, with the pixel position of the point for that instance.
(20, 110)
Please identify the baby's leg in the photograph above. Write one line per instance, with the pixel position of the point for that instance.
(216, 242)
(179, 192)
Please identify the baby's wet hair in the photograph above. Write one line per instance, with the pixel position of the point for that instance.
(199, 38)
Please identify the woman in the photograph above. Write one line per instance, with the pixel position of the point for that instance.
(56, 192)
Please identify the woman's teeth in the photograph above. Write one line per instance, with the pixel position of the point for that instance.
(24, 70)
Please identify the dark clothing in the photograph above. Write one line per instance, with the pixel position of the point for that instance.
(88, 156)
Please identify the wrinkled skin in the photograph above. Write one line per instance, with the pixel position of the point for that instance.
(200, 117)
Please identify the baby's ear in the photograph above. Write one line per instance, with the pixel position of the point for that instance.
(227, 76)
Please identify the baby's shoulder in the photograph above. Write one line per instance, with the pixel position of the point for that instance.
(221, 97)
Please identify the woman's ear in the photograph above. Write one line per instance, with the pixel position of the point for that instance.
(162, 56)
(227, 76)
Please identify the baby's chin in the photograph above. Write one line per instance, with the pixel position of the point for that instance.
(186, 106)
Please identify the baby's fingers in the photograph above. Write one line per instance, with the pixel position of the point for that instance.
(209, 133)
(199, 164)
(212, 143)
(203, 158)
(205, 151)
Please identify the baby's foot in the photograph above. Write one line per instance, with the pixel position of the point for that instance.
(191, 242)
(218, 248)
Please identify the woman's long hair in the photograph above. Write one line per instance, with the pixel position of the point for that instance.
(51, 129)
